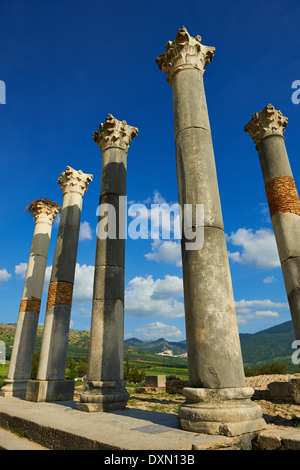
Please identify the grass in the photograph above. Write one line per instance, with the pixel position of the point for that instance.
(183, 373)
(3, 372)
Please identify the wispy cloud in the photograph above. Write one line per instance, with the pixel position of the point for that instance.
(166, 252)
(85, 232)
(4, 276)
(157, 330)
(20, 270)
(258, 248)
(145, 297)
(249, 310)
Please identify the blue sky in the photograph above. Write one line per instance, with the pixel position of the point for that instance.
(67, 64)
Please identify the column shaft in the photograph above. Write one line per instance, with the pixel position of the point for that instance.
(20, 365)
(214, 354)
(267, 128)
(104, 389)
(50, 384)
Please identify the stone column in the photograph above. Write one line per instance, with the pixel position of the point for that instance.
(44, 212)
(217, 401)
(50, 384)
(104, 389)
(267, 129)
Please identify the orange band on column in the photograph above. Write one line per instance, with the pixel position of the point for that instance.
(60, 293)
(282, 195)
(30, 305)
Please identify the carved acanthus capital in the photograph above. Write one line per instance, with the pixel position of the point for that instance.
(184, 52)
(114, 133)
(43, 209)
(267, 122)
(74, 181)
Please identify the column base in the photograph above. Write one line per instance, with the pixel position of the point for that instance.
(103, 396)
(227, 411)
(14, 388)
(50, 390)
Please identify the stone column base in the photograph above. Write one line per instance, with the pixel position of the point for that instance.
(103, 396)
(227, 411)
(14, 388)
(50, 390)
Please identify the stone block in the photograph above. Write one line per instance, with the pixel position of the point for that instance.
(294, 390)
(155, 381)
(280, 391)
(50, 390)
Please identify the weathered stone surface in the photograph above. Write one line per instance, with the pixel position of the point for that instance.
(229, 412)
(214, 352)
(287, 232)
(106, 355)
(50, 390)
(155, 381)
(265, 123)
(294, 390)
(20, 365)
(50, 382)
(267, 129)
(279, 391)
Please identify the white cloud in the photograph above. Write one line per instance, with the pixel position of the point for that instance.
(165, 251)
(157, 330)
(266, 313)
(147, 297)
(85, 232)
(269, 280)
(246, 309)
(83, 282)
(267, 303)
(20, 270)
(4, 275)
(258, 248)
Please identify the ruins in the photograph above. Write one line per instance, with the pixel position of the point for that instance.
(50, 384)
(104, 388)
(44, 212)
(218, 402)
(267, 129)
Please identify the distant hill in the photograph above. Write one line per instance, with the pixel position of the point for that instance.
(158, 346)
(264, 347)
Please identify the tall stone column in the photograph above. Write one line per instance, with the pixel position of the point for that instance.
(44, 212)
(50, 384)
(217, 401)
(104, 389)
(267, 129)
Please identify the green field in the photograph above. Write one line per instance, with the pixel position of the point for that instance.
(3, 372)
(183, 373)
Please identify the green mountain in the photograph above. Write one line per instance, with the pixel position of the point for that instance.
(158, 346)
(264, 347)
(270, 345)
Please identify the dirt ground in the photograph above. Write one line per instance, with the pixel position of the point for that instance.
(277, 414)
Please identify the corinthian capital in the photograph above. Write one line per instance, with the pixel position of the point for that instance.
(42, 209)
(114, 133)
(267, 122)
(74, 181)
(184, 52)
